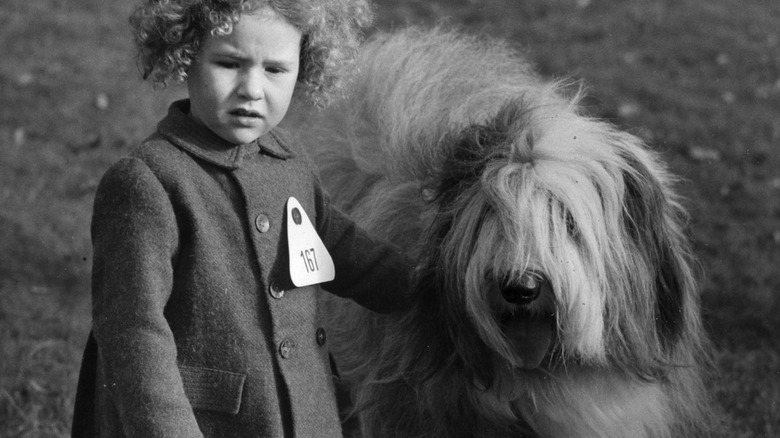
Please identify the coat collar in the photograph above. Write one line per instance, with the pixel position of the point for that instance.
(180, 129)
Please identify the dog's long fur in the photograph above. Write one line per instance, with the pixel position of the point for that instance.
(500, 189)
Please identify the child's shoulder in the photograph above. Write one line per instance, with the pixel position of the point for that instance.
(156, 148)
(145, 162)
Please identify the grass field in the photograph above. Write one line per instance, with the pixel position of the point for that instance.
(700, 80)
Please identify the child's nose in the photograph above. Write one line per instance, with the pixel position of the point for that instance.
(252, 85)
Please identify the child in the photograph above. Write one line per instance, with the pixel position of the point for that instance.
(198, 327)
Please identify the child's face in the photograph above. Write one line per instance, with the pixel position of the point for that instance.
(242, 83)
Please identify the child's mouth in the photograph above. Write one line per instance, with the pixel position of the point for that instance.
(240, 112)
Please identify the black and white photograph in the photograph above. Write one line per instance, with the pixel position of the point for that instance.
(389, 218)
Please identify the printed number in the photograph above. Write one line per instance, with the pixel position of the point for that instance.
(310, 260)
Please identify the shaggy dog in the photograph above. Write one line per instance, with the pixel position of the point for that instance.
(555, 293)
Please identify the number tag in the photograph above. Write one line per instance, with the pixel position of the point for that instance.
(310, 262)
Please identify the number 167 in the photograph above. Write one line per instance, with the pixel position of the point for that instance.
(310, 260)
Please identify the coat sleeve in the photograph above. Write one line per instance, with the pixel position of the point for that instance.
(369, 271)
(135, 237)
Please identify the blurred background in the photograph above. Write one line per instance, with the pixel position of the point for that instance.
(699, 80)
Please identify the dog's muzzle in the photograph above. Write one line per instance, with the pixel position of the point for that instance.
(528, 329)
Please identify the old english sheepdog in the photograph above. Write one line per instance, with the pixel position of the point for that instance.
(555, 289)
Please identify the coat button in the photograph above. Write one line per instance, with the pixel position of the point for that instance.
(262, 223)
(276, 291)
(286, 348)
(321, 336)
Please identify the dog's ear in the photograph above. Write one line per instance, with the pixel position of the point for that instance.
(474, 146)
(653, 221)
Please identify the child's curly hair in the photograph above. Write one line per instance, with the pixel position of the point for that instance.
(168, 35)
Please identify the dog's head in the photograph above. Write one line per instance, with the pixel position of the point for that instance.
(555, 239)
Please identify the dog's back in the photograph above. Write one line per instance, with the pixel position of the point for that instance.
(408, 92)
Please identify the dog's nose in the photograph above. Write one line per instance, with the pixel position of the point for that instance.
(523, 290)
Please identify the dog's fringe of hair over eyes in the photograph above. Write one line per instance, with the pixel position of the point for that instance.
(451, 147)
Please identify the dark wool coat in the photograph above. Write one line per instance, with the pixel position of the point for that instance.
(198, 330)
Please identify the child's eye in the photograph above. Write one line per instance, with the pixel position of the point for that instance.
(227, 64)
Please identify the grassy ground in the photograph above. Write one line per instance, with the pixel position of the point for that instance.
(699, 80)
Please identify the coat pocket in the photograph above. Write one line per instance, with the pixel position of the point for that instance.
(213, 390)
